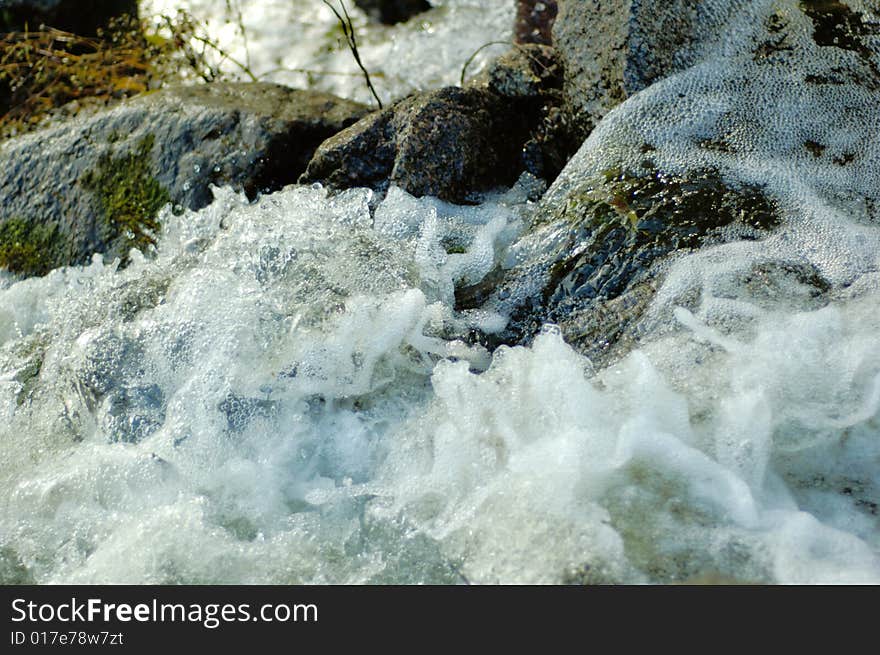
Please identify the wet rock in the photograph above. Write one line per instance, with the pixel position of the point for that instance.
(95, 184)
(606, 238)
(447, 143)
(84, 17)
(753, 126)
(393, 11)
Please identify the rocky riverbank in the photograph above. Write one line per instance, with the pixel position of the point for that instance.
(619, 210)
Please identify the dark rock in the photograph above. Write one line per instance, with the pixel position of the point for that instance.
(447, 143)
(534, 21)
(95, 183)
(608, 236)
(527, 71)
(532, 76)
(393, 11)
(84, 17)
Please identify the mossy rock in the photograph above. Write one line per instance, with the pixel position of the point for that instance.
(631, 219)
(97, 182)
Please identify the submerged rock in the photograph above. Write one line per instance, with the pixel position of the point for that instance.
(96, 184)
(84, 17)
(447, 143)
(600, 245)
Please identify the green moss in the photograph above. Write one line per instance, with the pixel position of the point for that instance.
(130, 196)
(29, 248)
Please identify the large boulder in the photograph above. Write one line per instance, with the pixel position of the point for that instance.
(95, 184)
(611, 49)
(447, 143)
(84, 17)
(750, 173)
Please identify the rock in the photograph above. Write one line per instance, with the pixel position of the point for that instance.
(605, 238)
(534, 21)
(744, 167)
(95, 184)
(84, 17)
(611, 49)
(447, 143)
(393, 11)
(527, 71)
(531, 75)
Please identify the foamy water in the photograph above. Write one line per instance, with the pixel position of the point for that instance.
(284, 393)
(280, 397)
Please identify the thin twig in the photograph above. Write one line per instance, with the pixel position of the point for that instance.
(475, 53)
(244, 67)
(516, 46)
(348, 30)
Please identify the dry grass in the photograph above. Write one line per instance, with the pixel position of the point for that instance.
(49, 72)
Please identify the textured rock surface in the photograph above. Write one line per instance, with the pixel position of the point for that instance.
(173, 144)
(447, 143)
(613, 49)
(534, 21)
(77, 16)
(527, 71)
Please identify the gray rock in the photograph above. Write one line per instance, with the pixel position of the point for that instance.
(611, 49)
(447, 143)
(95, 180)
(84, 17)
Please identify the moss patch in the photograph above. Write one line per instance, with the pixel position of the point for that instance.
(29, 248)
(130, 196)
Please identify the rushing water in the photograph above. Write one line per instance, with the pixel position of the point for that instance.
(299, 42)
(279, 397)
(284, 393)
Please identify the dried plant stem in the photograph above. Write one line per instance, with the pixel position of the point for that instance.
(348, 29)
